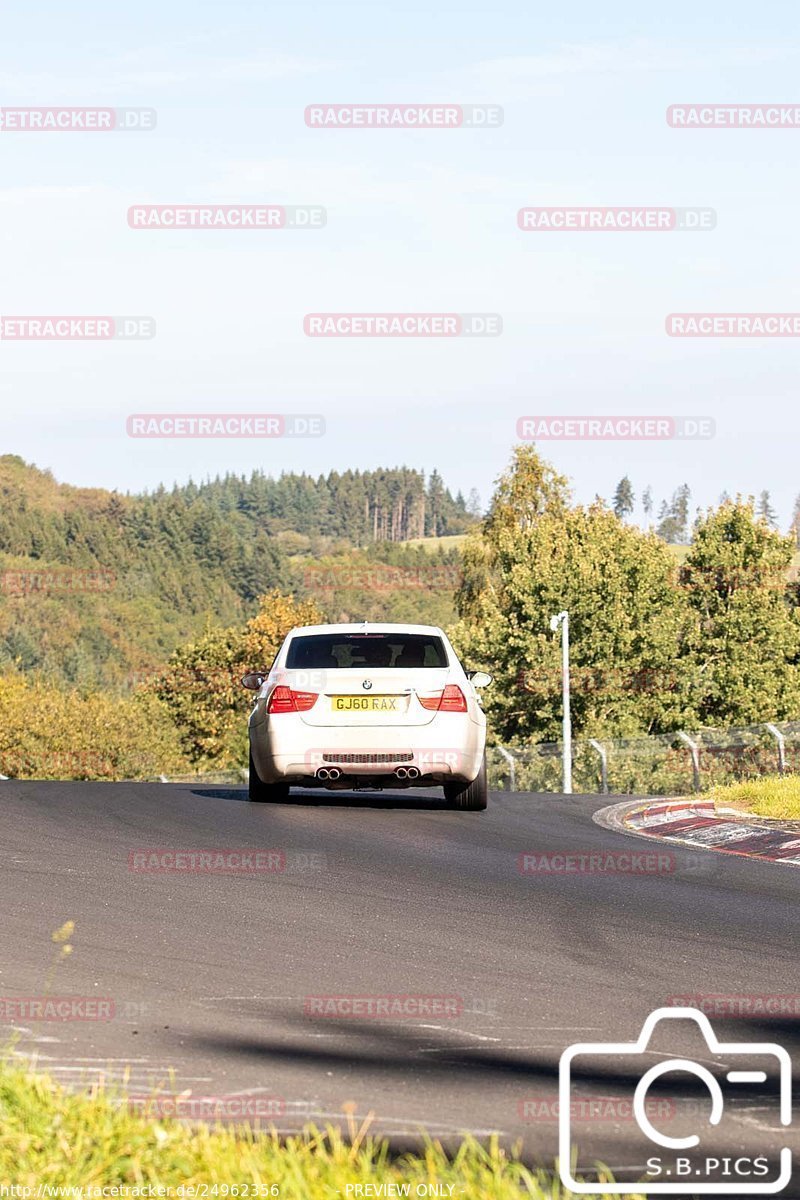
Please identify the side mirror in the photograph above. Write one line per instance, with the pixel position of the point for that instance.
(253, 681)
(479, 678)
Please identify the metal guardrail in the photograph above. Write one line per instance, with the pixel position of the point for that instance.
(676, 763)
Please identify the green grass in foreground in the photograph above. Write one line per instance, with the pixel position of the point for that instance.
(769, 796)
(52, 1137)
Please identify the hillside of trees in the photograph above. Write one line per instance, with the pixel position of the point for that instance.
(664, 637)
(359, 507)
(97, 588)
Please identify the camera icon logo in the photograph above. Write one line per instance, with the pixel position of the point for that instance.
(680, 1165)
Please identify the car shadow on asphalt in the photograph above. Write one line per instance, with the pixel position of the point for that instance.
(382, 1046)
(344, 799)
(410, 1057)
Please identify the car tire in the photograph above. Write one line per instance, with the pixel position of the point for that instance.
(469, 797)
(264, 792)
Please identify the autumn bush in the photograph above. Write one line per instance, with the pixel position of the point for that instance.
(201, 684)
(52, 733)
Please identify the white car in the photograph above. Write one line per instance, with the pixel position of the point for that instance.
(368, 706)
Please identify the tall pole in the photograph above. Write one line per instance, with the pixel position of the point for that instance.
(562, 619)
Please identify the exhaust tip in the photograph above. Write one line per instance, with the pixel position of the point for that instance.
(412, 773)
(334, 773)
(323, 773)
(401, 773)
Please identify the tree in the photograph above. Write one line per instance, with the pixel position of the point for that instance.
(744, 647)
(647, 502)
(673, 519)
(794, 528)
(474, 507)
(535, 555)
(525, 492)
(765, 510)
(201, 683)
(680, 508)
(436, 493)
(624, 500)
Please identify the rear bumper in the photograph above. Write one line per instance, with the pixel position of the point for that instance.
(446, 749)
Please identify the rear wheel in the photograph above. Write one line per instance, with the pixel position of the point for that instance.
(264, 791)
(469, 797)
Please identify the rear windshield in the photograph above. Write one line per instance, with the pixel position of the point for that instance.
(330, 651)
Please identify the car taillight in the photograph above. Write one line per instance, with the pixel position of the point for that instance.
(284, 700)
(450, 700)
(453, 699)
(281, 701)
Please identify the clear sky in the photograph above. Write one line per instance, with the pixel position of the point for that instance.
(417, 221)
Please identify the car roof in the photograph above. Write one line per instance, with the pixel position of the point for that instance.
(366, 627)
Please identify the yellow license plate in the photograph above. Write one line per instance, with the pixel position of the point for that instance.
(366, 703)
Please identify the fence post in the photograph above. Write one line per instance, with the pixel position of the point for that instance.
(781, 740)
(601, 750)
(694, 751)
(512, 768)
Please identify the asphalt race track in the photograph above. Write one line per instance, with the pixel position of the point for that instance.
(380, 895)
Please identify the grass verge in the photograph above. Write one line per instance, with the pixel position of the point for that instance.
(49, 1136)
(769, 796)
